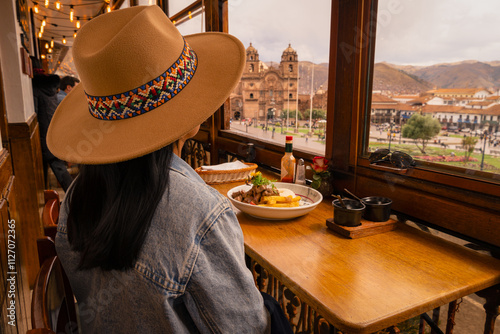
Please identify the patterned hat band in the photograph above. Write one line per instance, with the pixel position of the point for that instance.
(149, 96)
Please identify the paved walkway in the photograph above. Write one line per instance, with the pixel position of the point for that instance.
(307, 144)
(312, 144)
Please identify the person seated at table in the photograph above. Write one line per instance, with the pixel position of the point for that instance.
(148, 247)
(67, 84)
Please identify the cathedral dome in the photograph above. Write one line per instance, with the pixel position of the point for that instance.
(251, 49)
(289, 49)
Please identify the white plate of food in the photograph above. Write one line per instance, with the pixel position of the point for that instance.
(292, 200)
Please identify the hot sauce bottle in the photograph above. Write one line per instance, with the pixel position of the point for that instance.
(288, 162)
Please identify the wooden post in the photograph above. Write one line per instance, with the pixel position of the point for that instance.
(452, 308)
(492, 307)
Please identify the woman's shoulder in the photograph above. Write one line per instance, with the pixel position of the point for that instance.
(185, 185)
(191, 193)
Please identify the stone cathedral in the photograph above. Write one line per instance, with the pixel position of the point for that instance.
(266, 90)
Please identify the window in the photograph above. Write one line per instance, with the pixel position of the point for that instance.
(292, 66)
(433, 60)
(444, 196)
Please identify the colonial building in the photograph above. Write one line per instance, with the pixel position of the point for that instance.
(266, 91)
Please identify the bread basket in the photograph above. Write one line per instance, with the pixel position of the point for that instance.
(226, 176)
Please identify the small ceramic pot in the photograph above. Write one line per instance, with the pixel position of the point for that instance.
(349, 216)
(378, 209)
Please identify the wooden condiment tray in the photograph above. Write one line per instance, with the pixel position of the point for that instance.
(366, 228)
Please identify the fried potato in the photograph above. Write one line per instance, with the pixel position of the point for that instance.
(279, 199)
(281, 205)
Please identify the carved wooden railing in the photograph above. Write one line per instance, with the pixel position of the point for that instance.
(303, 318)
(196, 153)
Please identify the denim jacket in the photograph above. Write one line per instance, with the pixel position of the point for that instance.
(190, 276)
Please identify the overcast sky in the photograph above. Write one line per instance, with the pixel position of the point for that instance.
(414, 32)
(424, 32)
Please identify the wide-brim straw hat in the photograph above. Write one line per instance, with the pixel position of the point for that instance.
(143, 86)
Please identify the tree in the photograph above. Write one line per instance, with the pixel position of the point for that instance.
(468, 143)
(318, 114)
(421, 129)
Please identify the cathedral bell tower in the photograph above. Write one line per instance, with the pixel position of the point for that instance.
(289, 64)
(252, 60)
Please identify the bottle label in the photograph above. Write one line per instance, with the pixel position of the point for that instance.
(287, 169)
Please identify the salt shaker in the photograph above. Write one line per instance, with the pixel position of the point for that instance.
(300, 176)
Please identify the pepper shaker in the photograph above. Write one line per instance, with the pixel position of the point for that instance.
(300, 176)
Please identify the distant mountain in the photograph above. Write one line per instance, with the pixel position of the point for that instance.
(388, 78)
(305, 73)
(464, 74)
(409, 79)
(320, 76)
(461, 75)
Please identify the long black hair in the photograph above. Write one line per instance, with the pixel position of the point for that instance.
(111, 207)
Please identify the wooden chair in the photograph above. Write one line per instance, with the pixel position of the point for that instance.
(53, 308)
(50, 214)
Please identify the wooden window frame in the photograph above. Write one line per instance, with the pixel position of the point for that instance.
(463, 205)
(460, 204)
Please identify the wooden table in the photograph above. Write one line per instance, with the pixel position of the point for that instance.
(367, 284)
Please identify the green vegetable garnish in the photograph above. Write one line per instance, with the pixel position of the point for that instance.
(258, 180)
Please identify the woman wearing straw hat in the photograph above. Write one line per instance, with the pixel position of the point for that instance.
(147, 246)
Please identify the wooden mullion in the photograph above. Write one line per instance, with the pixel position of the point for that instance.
(185, 12)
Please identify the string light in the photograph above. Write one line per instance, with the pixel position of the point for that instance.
(40, 34)
(42, 56)
(71, 13)
(52, 42)
(41, 29)
(108, 9)
(58, 5)
(46, 3)
(74, 35)
(35, 8)
(64, 40)
(44, 22)
(77, 22)
(49, 50)
(46, 45)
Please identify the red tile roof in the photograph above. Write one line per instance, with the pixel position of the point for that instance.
(379, 98)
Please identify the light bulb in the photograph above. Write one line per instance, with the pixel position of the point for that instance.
(49, 50)
(58, 5)
(71, 13)
(40, 34)
(108, 9)
(74, 35)
(41, 29)
(44, 21)
(46, 45)
(35, 8)
(52, 42)
(46, 3)
(64, 40)
(42, 56)
(77, 23)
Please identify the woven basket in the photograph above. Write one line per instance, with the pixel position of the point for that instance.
(226, 176)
